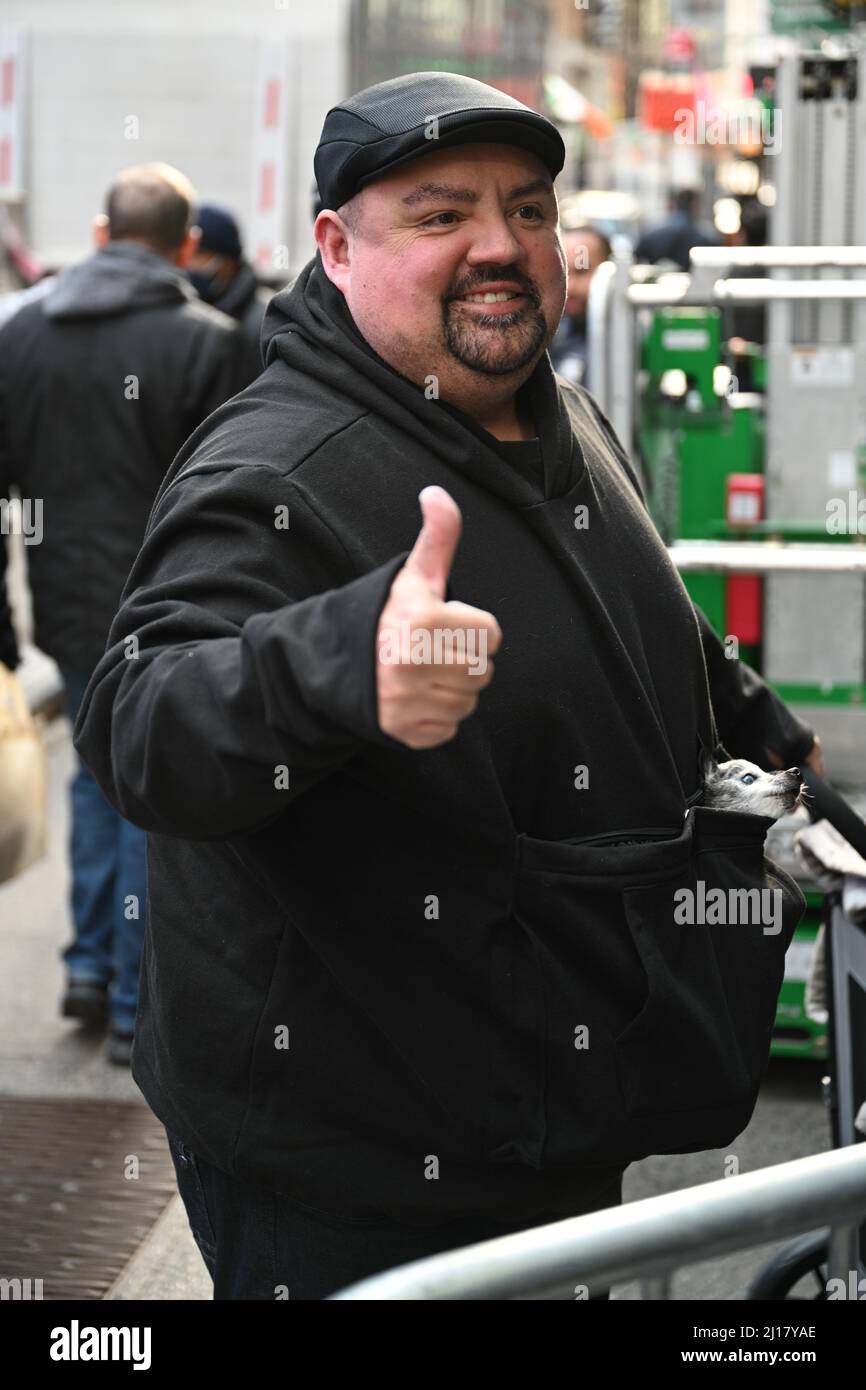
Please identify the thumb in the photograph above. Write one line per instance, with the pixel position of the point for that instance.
(432, 556)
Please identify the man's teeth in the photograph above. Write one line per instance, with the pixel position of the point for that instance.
(498, 298)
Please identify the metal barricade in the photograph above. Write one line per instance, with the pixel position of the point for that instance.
(650, 1239)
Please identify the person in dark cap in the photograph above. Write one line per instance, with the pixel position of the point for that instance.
(222, 277)
(673, 239)
(382, 999)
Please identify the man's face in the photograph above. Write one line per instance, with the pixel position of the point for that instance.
(584, 253)
(220, 269)
(436, 239)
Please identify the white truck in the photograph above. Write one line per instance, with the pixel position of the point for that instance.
(232, 92)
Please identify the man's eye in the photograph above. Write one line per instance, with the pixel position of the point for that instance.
(531, 207)
(748, 777)
(433, 221)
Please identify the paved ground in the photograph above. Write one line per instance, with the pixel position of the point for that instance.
(44, 1055)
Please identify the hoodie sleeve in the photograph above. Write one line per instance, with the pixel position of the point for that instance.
(235, 675)
(750, 716)
(9, 654)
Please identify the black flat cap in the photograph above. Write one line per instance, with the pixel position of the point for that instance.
(384, 126)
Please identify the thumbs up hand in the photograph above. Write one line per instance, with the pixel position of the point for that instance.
(432, 656)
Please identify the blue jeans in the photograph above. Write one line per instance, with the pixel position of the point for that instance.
(262, 1244)
(109, 885)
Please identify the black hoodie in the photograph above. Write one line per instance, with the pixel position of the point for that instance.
(349, 988)
(102, 378)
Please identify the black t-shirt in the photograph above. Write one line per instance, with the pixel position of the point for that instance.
(524, 456)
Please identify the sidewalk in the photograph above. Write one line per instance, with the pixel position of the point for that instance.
(43, 1055)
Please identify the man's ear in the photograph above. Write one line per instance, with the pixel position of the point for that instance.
(332, 239)
(188, 247)
(100, 230)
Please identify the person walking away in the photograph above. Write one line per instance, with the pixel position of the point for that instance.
(102, 379)
(673, 239)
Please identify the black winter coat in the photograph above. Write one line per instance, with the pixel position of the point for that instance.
(101, 381)
(365, 967)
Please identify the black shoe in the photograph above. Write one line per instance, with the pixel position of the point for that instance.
(87, 1001)
(120, 1048)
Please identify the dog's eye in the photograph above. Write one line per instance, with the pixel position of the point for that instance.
(748, 777)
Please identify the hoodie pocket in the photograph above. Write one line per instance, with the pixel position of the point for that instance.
(696, 1039)
(712, 942)
(665, 957)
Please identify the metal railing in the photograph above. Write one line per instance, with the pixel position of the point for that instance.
(785, 257)
(675, 290)
(649, 1240)
(615, 296)
(766, 557)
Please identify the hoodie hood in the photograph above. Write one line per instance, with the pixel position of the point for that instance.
(309, 326)
(118, 278)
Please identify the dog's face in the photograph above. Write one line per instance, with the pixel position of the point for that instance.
(741, 786)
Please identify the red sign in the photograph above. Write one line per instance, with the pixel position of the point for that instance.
(267, 185)
(7, 82)
(272, 103)
(662, 99)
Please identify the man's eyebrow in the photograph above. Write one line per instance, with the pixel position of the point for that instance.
(427, 192)
(431, 192)
(525, 190)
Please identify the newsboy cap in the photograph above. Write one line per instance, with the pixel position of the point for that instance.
(388, 124)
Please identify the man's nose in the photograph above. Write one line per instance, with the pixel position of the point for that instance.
(495, 241)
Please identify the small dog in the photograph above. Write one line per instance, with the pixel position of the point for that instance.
(741, 786)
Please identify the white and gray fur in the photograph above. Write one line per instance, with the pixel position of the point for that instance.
(741, 786)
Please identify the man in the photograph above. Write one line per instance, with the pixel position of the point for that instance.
(586, 248)
(674, 239)
(102, 378)
(747, 323)
(337, 990)
(222, 277)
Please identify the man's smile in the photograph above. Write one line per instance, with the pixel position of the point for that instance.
(494, 303)
(501, 298)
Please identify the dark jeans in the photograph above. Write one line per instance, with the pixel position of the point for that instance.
(109, 885)
(261, 1244)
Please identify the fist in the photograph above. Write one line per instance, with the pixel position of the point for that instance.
(433, 657)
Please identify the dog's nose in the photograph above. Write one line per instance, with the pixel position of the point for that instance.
(794, 770)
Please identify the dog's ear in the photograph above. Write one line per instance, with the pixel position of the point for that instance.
(707, 765)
